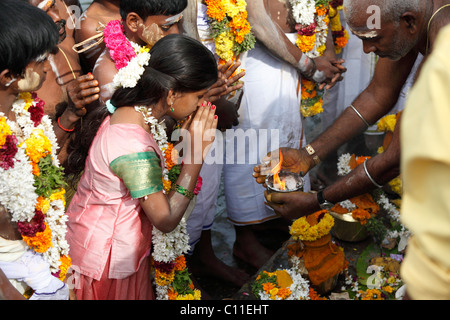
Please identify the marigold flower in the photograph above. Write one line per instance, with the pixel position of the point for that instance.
(66, 262)
(215, 10)
(224, 45)
(301, 229)
(306, 43)
(28, 98)
(41, 242)
(172, 294)
(5, 131)
(167, 185)
(163, 279)
(180, 263)
(387, 123)
(268, 286)
(283, 293)
(273, 292)
(321, 10)
(361, 215)
(43, 204)
(38, 146)
(372, 294)
(388, 289)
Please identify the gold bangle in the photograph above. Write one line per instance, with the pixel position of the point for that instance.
(310, 150)
(185, 192)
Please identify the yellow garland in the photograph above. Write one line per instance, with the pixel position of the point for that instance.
(238, 25)
(372, 294)
(163, 279)
(224, 45)
(5, 131)
(38, 146)
(66, 263)
(302, 230)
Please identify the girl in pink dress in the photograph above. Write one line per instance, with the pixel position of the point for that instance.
(120, 195)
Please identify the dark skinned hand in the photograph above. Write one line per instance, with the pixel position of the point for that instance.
(81, 92)
(226, 83)
(294, 160)
(292, 205)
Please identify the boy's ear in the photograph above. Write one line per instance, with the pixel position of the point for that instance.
(6, 78)
(133, 21)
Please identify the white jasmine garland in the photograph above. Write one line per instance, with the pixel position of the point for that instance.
(57, 220)
(390, 208)
(18, 198)
(169, 246)
(299, 287)
(158, 130)
(304, 11)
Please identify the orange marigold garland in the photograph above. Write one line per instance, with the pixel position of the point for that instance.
(229, 27)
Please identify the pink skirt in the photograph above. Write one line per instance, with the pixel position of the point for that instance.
(136, 287)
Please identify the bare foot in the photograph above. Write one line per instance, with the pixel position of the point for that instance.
(248, 249)
(204, 262)
(213, 267)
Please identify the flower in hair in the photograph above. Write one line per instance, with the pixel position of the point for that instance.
(129, 57)
(120, 49)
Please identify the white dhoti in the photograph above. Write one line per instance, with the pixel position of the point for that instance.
(269, 117)
(202, 217)
(25, 268)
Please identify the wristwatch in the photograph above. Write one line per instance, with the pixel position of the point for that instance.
(324, 204)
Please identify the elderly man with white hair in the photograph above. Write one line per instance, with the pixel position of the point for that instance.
(402, 35)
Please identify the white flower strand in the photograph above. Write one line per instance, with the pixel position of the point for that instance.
(304, 11)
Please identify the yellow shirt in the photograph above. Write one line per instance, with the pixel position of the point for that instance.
(425, 165)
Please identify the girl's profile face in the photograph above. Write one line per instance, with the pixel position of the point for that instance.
(186, 104)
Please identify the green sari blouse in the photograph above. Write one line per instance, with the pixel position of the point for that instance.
(141, 173)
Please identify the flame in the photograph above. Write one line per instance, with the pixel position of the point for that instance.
(275, 171)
